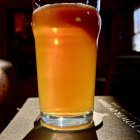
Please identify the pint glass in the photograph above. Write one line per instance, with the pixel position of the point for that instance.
(66, 37)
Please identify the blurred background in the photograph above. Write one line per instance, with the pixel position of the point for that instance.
(118, 66)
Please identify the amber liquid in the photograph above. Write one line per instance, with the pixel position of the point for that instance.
(66, 50)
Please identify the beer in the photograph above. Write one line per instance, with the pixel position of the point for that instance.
(66, 38)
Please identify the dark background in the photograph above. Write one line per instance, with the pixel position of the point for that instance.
(118, 66)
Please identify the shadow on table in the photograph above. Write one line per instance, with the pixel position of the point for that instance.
(42, 133)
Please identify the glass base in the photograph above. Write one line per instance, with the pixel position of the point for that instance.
(68, 122)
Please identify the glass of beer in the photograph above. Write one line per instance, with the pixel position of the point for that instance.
(66, 38)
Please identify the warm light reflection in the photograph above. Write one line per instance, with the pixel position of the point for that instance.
(78, 19)
(56, 41)
(54, 30)
(88, 12)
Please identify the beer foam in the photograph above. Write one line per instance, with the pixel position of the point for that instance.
(63, 4)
